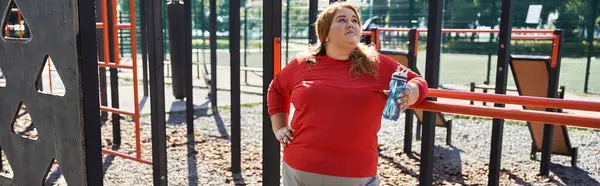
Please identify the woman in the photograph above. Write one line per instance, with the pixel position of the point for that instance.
(339, 90)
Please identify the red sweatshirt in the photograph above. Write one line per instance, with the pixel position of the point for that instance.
(336, 117)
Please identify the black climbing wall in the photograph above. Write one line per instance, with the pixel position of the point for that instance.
(68, 126)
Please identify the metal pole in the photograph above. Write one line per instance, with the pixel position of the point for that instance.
(501, 81)
(234, 50)
(187, 52)
(547, 139)
(114, 75)
(313, 6)
(271, 148)
(213, 54)
(409, 113)
(144, 46)
(432, 71)
(157, 92)
(590, 34)
(89, 85)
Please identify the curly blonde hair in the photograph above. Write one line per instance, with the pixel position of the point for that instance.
(363, 58)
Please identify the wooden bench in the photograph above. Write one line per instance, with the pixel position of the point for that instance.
(534, 76)
(440, 121)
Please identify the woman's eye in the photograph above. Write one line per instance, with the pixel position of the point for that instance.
(341, 20)
(355, 21)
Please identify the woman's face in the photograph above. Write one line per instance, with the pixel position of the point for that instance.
(344, 29)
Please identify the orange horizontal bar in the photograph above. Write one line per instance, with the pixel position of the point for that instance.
(366, 33)
(393, 29)
(523, 115)
(517, 100)
(116, 111)
(126, 156)
(119, 26)
(112, 65)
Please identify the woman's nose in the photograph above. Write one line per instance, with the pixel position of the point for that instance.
(349, 25)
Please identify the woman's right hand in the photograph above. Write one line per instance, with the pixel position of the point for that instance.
(285, 135)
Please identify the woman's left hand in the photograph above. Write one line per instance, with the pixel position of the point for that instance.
(409, 96)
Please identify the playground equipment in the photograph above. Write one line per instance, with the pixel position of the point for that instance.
(109, 58)
(531, 75)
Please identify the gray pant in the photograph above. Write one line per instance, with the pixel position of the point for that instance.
(294, 177)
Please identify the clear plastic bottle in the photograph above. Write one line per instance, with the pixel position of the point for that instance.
(397, 86)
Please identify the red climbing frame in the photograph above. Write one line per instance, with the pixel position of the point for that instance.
(117, 64)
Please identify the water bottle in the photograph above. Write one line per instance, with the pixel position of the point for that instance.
(397, 86)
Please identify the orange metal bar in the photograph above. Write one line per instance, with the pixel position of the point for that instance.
(116, 111)
(111, 65)
(416, 42)
(393, 29)
(126, 156)
(523, 115)
(105, 30)
(115, 32)
(517, 100)
(555, 43)
(277, 55)
(136, 103)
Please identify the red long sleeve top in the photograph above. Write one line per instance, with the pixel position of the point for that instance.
(336, 117)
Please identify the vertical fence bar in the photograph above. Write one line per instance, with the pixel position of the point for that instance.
(114, 79)
(213, 53)
(144, 45)
(408, 126)
(234, 48)
(432, 71)
(501, 81)
(272, 33)
(157, 92)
